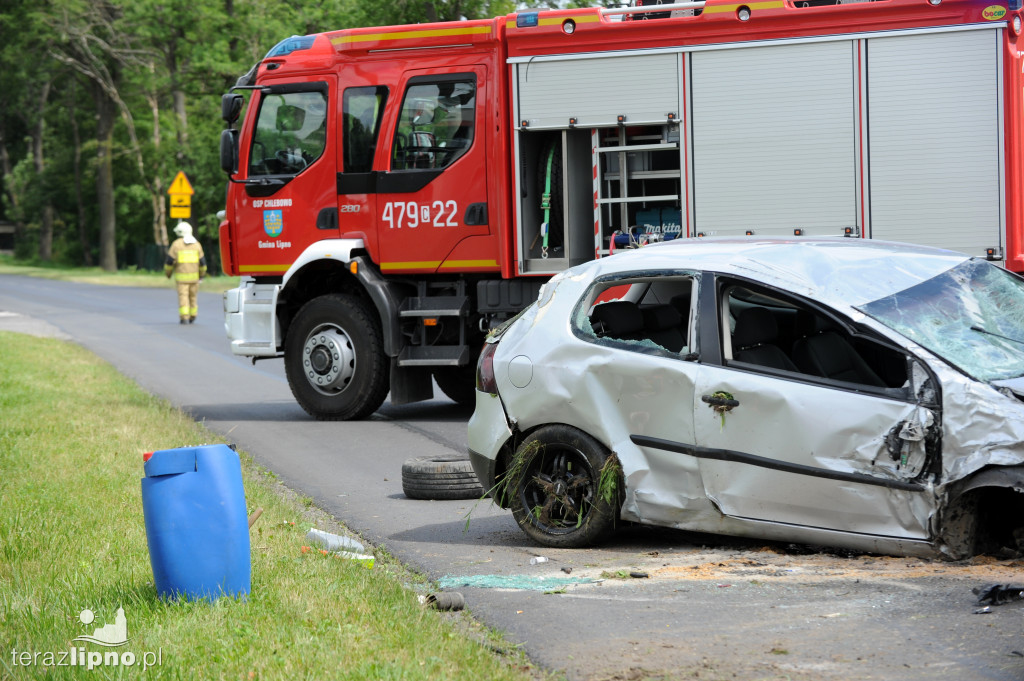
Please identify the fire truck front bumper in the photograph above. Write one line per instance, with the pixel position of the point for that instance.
(250, 321)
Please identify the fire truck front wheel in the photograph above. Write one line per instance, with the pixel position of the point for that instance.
(334, 359)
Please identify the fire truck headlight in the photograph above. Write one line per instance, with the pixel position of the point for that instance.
(934, 2)
(743, 13)
(569, 26)
(1016, 24)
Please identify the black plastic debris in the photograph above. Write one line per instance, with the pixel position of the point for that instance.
(998, 594)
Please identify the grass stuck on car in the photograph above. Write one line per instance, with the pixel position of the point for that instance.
(840, 392)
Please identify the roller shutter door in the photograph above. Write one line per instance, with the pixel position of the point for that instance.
(774, 139)
(934, 140)
(644, 88)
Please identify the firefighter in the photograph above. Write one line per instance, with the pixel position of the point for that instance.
(186, 261)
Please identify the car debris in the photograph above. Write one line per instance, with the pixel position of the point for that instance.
(334, 542)
(445, 600)
(998, 594)
(839, 392)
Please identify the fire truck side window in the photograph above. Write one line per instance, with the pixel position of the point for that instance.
(362, 110)
(291, 133)
(436, 123)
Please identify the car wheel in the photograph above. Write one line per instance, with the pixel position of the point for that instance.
(440, 477)
(458, 383)
(556, 476)
(334, 359)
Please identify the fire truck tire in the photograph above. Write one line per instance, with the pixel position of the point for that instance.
(440, 477)
(458, 383)
(334, 359)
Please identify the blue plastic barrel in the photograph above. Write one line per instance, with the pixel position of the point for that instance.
(196, 522)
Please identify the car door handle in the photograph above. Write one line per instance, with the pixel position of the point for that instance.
(719, 401)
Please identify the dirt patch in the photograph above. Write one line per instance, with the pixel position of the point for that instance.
(771, 563)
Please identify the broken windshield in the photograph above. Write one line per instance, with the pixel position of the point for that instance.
(972, 316)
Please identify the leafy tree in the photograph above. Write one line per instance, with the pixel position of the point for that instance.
(102, 102)
(93, 45)
(25, 110)
(419, 11)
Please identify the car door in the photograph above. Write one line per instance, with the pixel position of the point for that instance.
(777, 444)
(641, 383)
(289, 169)
(434, 194)
(364, 100)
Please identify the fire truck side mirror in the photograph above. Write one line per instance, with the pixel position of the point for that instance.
(229, 151)
(230, 107)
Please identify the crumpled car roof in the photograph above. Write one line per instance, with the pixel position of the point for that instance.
(841, 272)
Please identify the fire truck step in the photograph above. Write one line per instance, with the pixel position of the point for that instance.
(434, 355)
(435, 306)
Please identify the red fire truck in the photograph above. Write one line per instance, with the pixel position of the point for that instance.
(396, 191)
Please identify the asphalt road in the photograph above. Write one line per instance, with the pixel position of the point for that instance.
(708, 607)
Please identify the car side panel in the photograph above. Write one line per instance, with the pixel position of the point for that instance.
(806, 454)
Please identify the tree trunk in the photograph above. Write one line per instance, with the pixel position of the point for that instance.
(106, 114)
(178, 96)
(157, 185)
(229, 11)
(83, 234)
(159, 213)
(12, 196)
(46, 218)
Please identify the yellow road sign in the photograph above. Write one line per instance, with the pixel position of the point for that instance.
(181, 196)
(180, 185)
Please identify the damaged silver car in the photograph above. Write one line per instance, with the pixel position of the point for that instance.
(836, 392)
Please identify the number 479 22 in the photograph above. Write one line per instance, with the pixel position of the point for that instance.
(399, 214)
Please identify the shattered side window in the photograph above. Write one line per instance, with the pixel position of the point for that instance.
(972, 316)
(645, 314)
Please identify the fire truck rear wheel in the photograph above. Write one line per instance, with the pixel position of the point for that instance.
(334, 359)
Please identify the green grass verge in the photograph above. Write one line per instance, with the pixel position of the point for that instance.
(72, 538)
(94, 275)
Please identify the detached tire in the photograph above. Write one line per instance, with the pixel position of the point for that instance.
(334, 359)
(556, 498)
(440, 477)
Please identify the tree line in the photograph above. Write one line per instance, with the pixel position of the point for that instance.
(102, 102)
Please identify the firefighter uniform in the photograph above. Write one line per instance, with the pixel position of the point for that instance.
(186, 261)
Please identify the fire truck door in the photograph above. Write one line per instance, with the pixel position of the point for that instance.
(433, 194)
(290, 168)
(362, 110)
